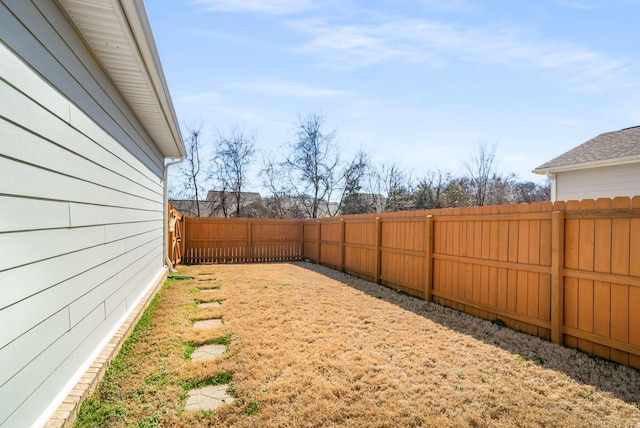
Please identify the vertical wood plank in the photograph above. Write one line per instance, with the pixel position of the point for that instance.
(302, 256)
(602, 290)
(378, 255)
(557, 276)
(250, 240)
(494, 248)
(428, 257)
(634, 292)
(634, 236)
(620, 239)
(620, 296)
(586, 263)
(634, 315)
(319, 243)
(342, 244)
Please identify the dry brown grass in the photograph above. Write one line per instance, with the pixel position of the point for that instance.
(314, 347)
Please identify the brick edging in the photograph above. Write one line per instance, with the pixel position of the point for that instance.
(65, 415)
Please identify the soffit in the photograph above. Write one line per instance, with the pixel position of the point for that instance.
(119, 34)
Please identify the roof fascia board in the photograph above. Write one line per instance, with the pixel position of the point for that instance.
(140, 26)
(588, 165)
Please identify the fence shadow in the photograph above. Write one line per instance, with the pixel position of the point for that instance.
(616, 379)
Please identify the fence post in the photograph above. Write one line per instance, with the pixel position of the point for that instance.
(378, 255)
(250, 240)
(428, 256)
(557, 276)
(342, 225)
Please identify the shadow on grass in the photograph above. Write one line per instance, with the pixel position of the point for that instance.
(621, 381)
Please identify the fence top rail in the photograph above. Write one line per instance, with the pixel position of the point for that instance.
(243, 220)
(405, 218)
(604, 213)
(489, 217)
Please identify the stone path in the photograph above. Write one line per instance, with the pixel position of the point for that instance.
(208, 352)
(208, 398)
(216, 322)
(209, 305)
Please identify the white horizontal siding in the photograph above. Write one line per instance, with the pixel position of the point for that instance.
(22, 384)
(22, 316)
(24, 146)
(87, 215)
(55, 47)
(19, 389)
(81, 306)
(20, 179)
(19, 213)
(30, 279)
(42, 120)
(71, 340)
(603, 182)
(21, 248)
(81, 212)
(135, 284)
(31, 344)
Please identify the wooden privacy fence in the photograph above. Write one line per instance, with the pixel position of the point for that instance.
(241, 240)
(568, 272)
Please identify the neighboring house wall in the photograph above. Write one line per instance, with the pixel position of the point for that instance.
(81, 208)
(602, 182)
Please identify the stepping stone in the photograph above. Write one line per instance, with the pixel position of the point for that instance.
(209, 305)
(208, 398)
(216, 322)
(208, 352)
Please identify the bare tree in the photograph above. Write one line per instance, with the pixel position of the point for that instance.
(312, 163)
(191, 172)
(353, 200)
(431, 191)
(234, 153)
(501, 189)
(481, 170)
(528, 191)
(397, 185)
(279, 201)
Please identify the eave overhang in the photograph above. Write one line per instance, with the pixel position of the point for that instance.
(118, 32)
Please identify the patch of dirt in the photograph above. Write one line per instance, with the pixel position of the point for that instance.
(318, 348)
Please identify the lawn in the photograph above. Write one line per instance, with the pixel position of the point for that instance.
(308, 346)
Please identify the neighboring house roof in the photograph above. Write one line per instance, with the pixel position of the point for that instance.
(119, 34)
(244, 196)
(610, 148)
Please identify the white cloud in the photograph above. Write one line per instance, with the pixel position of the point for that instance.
(274, 7)
(434, 43)
(289, 89)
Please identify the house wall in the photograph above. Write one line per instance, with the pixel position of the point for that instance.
(81, 211)
(603, 182)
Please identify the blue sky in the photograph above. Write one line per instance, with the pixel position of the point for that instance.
(419, 82)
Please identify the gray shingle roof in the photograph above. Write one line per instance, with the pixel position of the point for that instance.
(608, 146)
